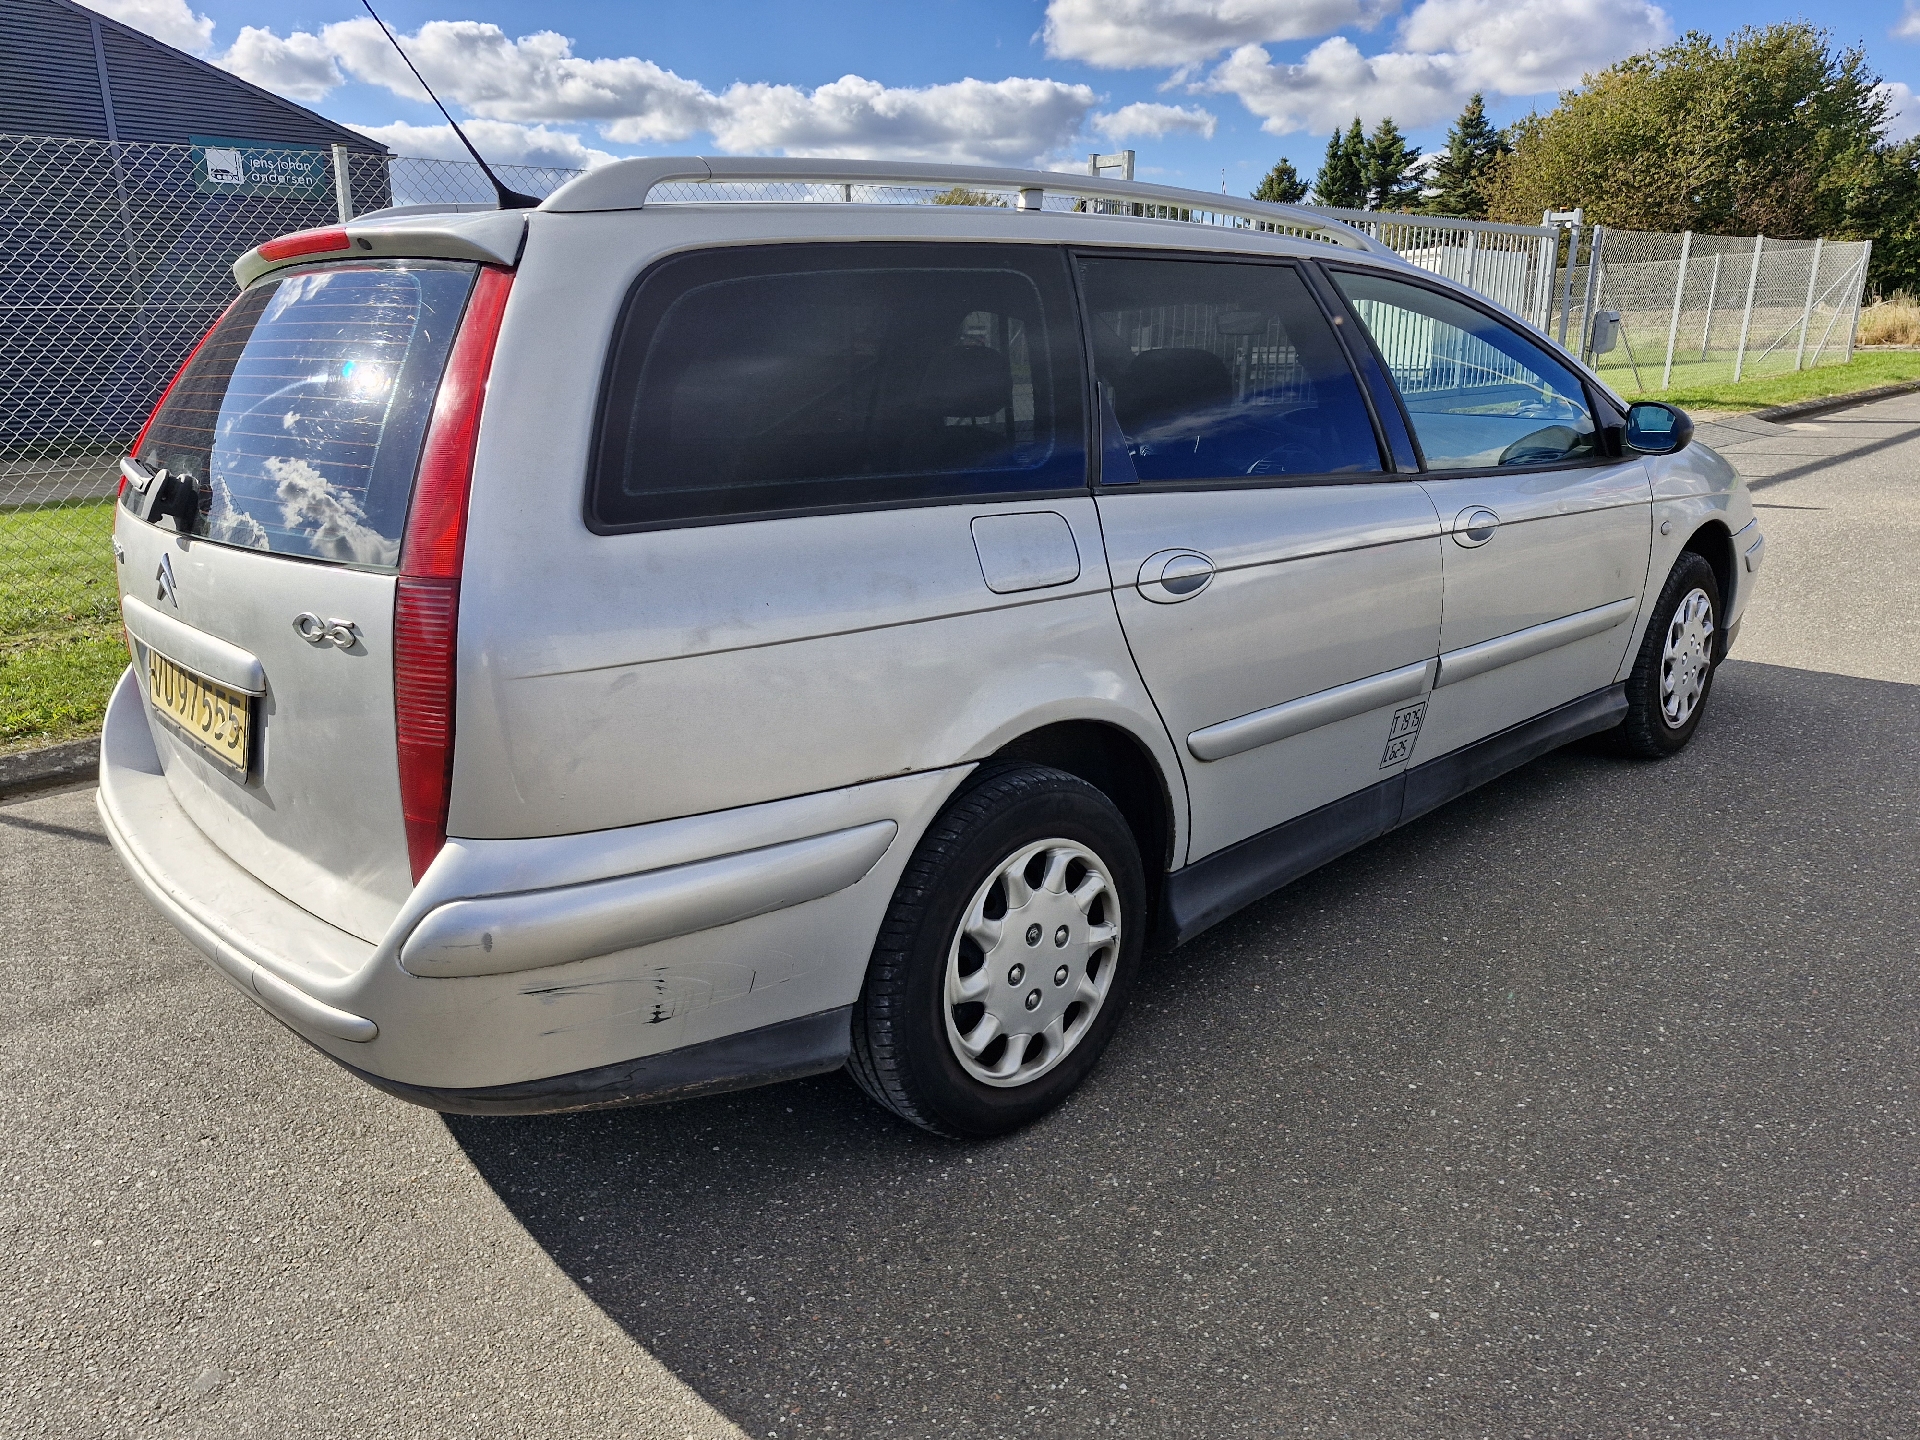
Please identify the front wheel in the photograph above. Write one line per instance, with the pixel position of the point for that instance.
(1673, 674)
(1005, 959)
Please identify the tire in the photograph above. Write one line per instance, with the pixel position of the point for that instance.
(1673, 674)
(918, 1043)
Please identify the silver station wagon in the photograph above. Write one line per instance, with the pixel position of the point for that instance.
(714, 628)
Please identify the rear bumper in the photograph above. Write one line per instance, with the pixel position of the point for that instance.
(251, 934)
(568, 972)
(788, 1050)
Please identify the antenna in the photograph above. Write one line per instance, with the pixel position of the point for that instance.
(507, 199)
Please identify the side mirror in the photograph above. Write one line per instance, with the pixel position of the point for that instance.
(1656, 429)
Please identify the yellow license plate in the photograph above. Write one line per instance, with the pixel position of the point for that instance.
(218, 719)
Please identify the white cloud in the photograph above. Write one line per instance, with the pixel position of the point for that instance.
(1155, 122)
(1137, 34)
(500, 141)
(1448, 50)
(1336, 82)
(300, 66)
(1522, 47)
(1907, 27)
(1903, 111)
(170, 21)
(536, 77)
(1004, 122)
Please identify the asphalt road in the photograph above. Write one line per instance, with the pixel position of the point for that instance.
(1584, 1106)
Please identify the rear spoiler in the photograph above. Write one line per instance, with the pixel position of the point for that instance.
(437, 232)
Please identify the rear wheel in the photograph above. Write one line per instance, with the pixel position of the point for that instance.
(1005, 959)
(1673, 674)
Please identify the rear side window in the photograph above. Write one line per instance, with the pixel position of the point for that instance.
(1220, 369)
(755, 382)
(301, 419)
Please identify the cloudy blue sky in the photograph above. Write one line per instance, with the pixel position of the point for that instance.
(1207, 91)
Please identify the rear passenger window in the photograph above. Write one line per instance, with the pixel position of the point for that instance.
(755, 382)
(1220, 369)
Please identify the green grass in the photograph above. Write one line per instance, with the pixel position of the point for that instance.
(60, 644)
(1693, 390)
(56, 688)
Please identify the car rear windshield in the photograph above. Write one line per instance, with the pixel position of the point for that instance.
(301, 418)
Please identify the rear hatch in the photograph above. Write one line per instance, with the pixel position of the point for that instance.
(261, 610)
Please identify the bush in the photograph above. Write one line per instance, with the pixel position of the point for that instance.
(1893, 321)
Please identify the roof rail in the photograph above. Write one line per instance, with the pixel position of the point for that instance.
(626, 184)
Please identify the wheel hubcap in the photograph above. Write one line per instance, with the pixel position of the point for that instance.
(1032, 962)
(1686, 659)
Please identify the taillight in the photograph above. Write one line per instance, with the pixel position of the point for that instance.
(426, 609)
(306, 242)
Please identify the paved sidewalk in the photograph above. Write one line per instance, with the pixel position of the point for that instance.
(1839, 500)
(211, 1231)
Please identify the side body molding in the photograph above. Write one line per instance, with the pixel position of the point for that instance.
(1464, 664)
(1309, 712)
(1214, 887)
(500, 934)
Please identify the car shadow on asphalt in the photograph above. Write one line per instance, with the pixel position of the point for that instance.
(1319, 1165)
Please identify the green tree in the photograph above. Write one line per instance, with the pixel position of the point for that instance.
(1342, 181)
(1393, 180)
(1461, 172)
(1774, 132)
(1283, 185)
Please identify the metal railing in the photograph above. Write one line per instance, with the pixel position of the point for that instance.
(1513, 265)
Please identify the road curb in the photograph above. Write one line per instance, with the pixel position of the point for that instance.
(1802, 409)
(52, 765)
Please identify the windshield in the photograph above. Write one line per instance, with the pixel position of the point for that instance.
(301, 418)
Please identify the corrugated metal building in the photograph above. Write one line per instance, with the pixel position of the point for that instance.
(65, 70)
(131, 175)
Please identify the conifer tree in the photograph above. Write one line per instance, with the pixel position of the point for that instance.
(1392, 181)
(1459, 176)
(1342, 181)
(1283, 185)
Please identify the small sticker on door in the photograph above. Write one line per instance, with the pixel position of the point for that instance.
(1402, 732)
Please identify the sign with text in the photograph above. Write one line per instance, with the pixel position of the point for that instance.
(225, 166)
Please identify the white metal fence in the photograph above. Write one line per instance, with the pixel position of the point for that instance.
(114, 260)
(1513, 265)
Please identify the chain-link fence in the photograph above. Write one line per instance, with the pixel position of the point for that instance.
(1709, 309)
(114, 260)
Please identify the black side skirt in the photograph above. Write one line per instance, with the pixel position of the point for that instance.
(1211, 889)
(786, 1051)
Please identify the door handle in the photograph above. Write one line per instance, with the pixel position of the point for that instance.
(1170, 576)
(1474, 526)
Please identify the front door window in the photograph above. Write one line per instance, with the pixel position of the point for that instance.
(1480, 395)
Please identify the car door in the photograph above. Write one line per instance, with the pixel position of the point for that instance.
(1548, 538)
(1279, 586)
